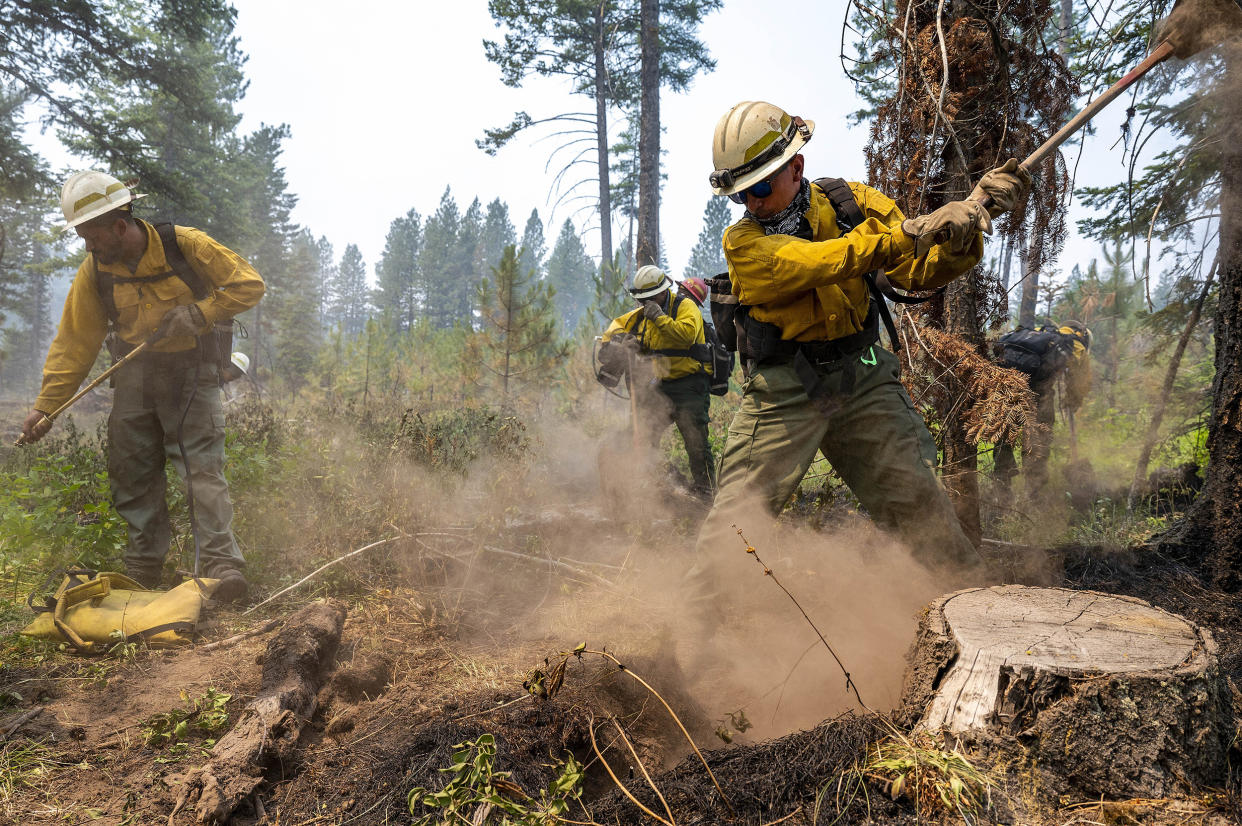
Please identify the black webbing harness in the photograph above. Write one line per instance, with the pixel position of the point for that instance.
(698, 352)
(850, 215)
(180, 267)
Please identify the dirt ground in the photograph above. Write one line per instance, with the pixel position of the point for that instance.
(435, 654)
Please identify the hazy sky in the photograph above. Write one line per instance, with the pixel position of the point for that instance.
(385, 101)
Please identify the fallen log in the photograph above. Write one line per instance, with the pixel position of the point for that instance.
(294, 667)
(1118, 697)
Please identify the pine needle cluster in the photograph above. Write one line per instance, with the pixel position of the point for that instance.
(995, 404)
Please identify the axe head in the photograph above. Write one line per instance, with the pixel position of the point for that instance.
(1195, 25)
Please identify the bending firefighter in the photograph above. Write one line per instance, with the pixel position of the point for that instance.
(178, 290)
(1044, 356)
(803, 264)
(660, 348)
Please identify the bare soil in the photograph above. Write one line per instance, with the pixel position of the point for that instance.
(424, 665)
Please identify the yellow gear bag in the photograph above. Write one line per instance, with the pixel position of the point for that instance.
(91, 607)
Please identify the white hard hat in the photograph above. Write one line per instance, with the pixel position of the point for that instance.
(241, 361)
(648, 281)
(88, 195)
(753, 140)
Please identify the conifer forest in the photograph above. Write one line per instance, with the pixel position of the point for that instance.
(478, 517)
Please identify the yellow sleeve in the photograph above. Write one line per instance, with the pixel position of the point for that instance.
(682, 331)
(767, 268)
(619, 325)
(83, 326)
(238, 287)
(933, 270)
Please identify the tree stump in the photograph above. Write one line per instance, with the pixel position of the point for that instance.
(1118, 697)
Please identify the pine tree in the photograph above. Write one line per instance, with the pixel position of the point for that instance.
(534, 248)
(569, 273)
(497, 233)
(350, 292)
(298, 332)
(466, 276)
(517, 344)
(609, 298)
(707, 258)
(327, 282)
(595, 45)
(398, 296)
(79, 60)
(435, 262)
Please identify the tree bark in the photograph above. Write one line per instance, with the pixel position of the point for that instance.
(1116, 697)
(601, 139)
(1211, 533)
(648, 251)
(1030, 288)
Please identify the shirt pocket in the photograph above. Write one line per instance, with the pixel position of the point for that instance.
(171, 290)
(128, 302)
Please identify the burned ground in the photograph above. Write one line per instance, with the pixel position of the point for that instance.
(426, 664)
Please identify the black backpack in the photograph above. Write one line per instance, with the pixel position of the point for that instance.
(1041, 353)
(722, 361)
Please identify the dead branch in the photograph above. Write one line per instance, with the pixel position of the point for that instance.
(317, 571)
(244, 635)
(21, 720)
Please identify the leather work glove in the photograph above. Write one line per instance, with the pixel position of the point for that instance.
(182, 320)
(651, 310)
(36, 426)
(953, 225)
(1006, 185)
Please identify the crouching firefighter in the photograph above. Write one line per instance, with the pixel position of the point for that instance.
(173, 291)
(660, 350)
(802, 262)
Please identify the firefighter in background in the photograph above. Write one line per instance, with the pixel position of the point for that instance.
(1046, 356)
(172, 287)
(663, 341)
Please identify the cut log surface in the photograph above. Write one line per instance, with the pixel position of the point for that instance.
(1074, 633)
(1122, 697)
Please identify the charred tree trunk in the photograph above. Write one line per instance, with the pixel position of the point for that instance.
(648, 251)
(1211, 532)
(601, 139)
(1117, 697)
(961, 454)
(267, 732)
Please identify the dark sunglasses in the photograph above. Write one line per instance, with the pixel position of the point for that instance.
(760, 190)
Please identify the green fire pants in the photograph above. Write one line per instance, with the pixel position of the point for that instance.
(151, 394)
(1037, 444)
(685, 402)
(875, 441)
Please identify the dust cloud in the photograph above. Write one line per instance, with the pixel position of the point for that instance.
(623, 577)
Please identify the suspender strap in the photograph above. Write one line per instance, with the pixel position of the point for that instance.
(105, 281)
(176, 259)
(850, 215)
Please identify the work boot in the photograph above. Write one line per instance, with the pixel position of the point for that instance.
(233, 586)
(147, 579)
